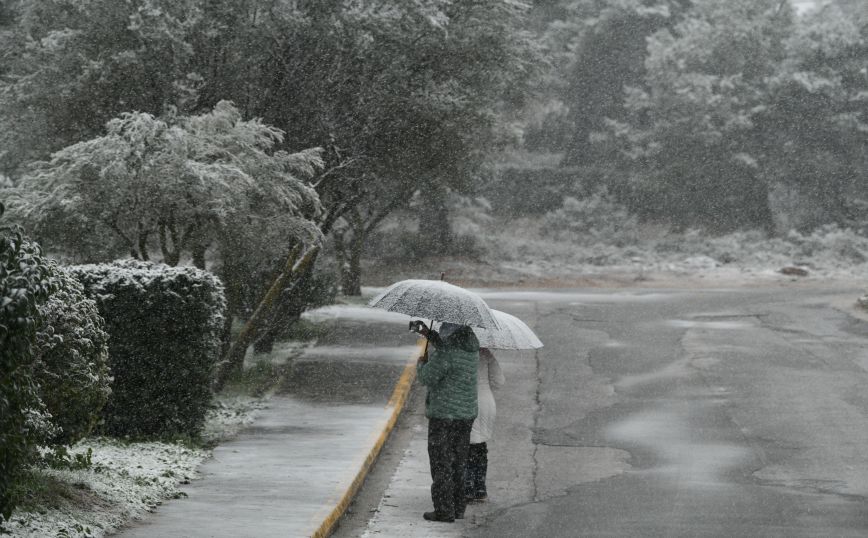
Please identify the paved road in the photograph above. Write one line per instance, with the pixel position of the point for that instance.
(676, 413)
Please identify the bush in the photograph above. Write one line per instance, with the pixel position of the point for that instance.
(597, 218)
(165, 325)
(532, 191)
(26, 279)
(71, 366)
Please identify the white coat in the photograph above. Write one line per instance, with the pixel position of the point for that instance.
(490, 376)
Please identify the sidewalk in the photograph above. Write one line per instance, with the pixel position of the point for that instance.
(512, 470)
(293, 471)
(408, 496)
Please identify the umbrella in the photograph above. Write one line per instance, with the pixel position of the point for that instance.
(436, 300)
(513, 334)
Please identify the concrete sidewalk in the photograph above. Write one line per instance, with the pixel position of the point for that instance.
(409, 495)
(293, 472)
(512, 478)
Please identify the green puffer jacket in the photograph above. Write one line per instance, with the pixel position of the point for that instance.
(450, 375)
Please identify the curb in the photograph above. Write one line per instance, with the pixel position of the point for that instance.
(396, 402)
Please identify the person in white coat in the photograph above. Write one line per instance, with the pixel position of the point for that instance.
(489, 377)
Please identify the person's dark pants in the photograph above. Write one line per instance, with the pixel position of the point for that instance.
(477, 468)
(448, 442)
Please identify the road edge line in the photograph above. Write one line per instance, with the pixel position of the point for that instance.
(397, 401)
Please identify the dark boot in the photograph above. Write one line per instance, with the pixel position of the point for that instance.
(434, 516)
(477, 468)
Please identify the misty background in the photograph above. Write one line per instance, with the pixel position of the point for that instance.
(499, 141)
(183, 183)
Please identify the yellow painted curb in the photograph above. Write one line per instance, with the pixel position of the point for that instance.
(397, 401)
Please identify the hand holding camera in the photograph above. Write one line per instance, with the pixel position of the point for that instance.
(418, 326)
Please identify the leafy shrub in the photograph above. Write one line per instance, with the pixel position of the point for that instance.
(831, 242)
(165, 326)
(26, 279)
(525, 192)
(71, 366)
(597, 218)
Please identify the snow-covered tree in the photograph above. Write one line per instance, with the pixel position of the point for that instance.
(689, 140)
(402, 94)
(68, 67)
(816, 121)
(178, 184)
(607, 55)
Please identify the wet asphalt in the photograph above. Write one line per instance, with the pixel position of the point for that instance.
(674, 413)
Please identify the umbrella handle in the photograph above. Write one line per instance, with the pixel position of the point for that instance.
(424, 357)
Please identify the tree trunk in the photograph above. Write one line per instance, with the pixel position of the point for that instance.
(198, 251)
(196, 237)
(170, 256)
(233, 360)
(233, 300)
(351, 270)
(435, 233)
(287, 310)
(143, 246)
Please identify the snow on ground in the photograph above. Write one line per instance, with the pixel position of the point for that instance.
(518, 254)
(229, 415)
(127, 479)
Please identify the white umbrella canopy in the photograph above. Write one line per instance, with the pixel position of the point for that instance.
(436, 300)
(513, 334)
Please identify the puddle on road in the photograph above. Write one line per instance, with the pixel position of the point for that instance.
(678, 368)
(722, 325)
(681, 451)
(576, 297)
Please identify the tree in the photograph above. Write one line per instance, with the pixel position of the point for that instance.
(403, 95)
(610, 50)
(72, 66)
(691, 150)
(26, 281)
(179, 183)
(817, 120)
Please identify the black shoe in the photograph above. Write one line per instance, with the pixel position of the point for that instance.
(435, 516)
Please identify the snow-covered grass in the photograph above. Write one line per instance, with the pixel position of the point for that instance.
(126, 481)
(521, 252)
(826, 251)
(129, 479)
(229, 414)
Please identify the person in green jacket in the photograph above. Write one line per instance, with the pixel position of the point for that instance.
(451, 406)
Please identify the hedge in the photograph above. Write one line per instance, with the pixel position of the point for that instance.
(164, 325)
(26, 279)
(71, 367)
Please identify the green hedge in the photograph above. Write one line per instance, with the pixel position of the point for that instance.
(165, 328)
(71, 367)
(26, 279)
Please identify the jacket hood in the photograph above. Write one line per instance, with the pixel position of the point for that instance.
(459, 336)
